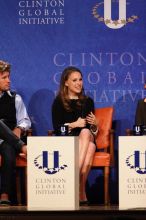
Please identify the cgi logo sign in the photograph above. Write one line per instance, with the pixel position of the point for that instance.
(137, 161)
(107, 16)
(46, 159)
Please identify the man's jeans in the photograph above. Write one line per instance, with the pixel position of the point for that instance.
(8, 150)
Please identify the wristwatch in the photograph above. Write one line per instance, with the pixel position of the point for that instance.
(93, 128)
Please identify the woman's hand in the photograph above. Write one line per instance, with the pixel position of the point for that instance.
(80, 123)
(91, 119)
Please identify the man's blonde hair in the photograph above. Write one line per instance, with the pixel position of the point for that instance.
(4, 66)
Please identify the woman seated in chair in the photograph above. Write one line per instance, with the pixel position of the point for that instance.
(72, 108)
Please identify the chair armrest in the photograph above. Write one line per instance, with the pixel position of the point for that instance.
(29, 132)
(26, 134)
(129, 132)
(51, 132)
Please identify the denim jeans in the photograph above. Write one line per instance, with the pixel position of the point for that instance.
(10, 146)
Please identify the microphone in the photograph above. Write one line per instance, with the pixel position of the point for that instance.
(137, 130)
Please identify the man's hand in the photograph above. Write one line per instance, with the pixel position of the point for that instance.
(17, 132)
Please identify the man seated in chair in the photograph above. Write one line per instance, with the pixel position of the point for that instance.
(14, 121)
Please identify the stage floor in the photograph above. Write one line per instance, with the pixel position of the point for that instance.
(85, 212)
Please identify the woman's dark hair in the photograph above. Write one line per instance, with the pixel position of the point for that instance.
(63, 90)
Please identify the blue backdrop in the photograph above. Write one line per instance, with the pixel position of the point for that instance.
(41, 38)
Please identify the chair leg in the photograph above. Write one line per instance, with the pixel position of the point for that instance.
(18, 187)
(21, 180)
(106, 186)
(25, 176)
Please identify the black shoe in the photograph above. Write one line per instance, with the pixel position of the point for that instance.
(5, 203)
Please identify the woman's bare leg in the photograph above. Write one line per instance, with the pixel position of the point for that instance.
(84, 138)
(85, 170)
(86, 153)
